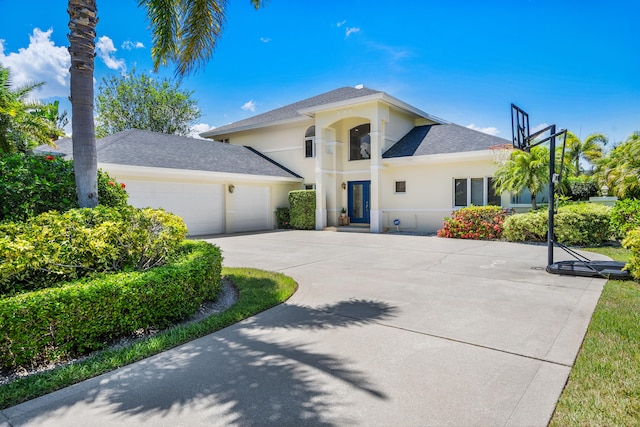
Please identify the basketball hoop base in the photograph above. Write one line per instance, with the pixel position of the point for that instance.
(605, 269)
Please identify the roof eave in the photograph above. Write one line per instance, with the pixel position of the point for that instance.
(439, 158)
(197, 175)
(216, 132)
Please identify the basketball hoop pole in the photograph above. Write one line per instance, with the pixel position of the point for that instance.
(552, 170)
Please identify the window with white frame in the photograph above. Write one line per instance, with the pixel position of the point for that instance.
(309, 186)
(309, 142)
(474, 191)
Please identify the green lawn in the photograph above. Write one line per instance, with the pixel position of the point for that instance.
(604, 385)
(259, 290)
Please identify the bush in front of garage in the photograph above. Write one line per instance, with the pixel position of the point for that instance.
(88, 314)
(283, 218)
(302, 209)
(33, 184)
(632, 242)
(57, 247)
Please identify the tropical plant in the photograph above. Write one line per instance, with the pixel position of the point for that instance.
(21, 125)
(184, 32)
(144, 102)
(52, 113)
(589, 150)
(620, 169)
(524, 170)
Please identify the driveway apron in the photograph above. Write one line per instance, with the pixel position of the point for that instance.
(384, 330)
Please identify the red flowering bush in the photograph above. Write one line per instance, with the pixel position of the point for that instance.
(474, 222)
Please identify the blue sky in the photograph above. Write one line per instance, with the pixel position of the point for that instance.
(572, 63)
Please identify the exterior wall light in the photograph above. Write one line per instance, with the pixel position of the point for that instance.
(231, 188)
(344, 185)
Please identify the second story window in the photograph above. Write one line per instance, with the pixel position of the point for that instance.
(360, 142)
(309, 142)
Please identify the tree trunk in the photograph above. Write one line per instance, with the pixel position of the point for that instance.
(534, 204)
(82, 35)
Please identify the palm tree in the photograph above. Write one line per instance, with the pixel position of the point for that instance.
(21, 125)
(620, 170)
(589, 150)
(184, 32)
(524, 170)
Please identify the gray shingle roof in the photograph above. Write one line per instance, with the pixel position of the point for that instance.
(441, 139)
(291, 111)
(143, 148)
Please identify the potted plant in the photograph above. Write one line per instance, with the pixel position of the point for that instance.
(344, 212)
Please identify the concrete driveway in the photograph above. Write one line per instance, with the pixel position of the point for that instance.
(385, 330)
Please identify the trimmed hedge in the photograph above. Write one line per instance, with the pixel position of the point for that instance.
(632, 242)
(31, 185)
(625, 216)
(474, 222)
(86, 315)
(579, 224)
(303, 209)
(52, 248)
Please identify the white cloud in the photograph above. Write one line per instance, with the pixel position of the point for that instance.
(105, 50)
(129, 45)
(265, 39)
(351, 30)
(196, 130)
(41, 61)
(249, 106)
(341, 23)
(488, 130)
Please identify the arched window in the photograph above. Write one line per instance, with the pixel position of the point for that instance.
(309, 142)
(360, 142)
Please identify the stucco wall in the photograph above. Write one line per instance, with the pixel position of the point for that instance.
(429, 195)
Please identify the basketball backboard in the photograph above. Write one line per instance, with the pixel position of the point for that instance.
(520, 128)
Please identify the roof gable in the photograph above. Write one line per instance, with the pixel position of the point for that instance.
(152, 149)
(441, 139)
(291, 111)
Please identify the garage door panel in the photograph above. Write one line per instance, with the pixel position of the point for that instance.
(200, 205)
(252, 208)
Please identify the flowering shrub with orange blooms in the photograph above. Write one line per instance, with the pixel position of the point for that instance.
(475, 222)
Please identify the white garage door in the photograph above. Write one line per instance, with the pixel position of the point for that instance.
(252, 210)
(201, 206)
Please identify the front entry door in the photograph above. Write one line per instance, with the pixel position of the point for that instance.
(359, 201)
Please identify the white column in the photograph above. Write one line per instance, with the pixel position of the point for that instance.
(377, 145)
(321, 198)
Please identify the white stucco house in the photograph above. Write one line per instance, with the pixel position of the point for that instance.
(381, 159)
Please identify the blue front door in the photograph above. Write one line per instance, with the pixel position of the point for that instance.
(359, 201)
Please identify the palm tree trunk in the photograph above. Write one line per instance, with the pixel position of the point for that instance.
(534, 204)
(82, 35)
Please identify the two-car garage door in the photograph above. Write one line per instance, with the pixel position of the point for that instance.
(202, 206)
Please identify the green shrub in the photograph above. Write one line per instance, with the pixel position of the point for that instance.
(87, 315)
(282, 218)
(527, 227)
(30, 185)
(632, 242)
(582, 224)
(625, 216)
(303, 209)
(582, 187)
(52, 248)
(474, 222)
(577, 224)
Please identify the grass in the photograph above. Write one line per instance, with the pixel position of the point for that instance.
(604, 385)
(259, 290)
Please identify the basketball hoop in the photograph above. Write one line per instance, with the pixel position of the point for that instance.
(501, 153)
